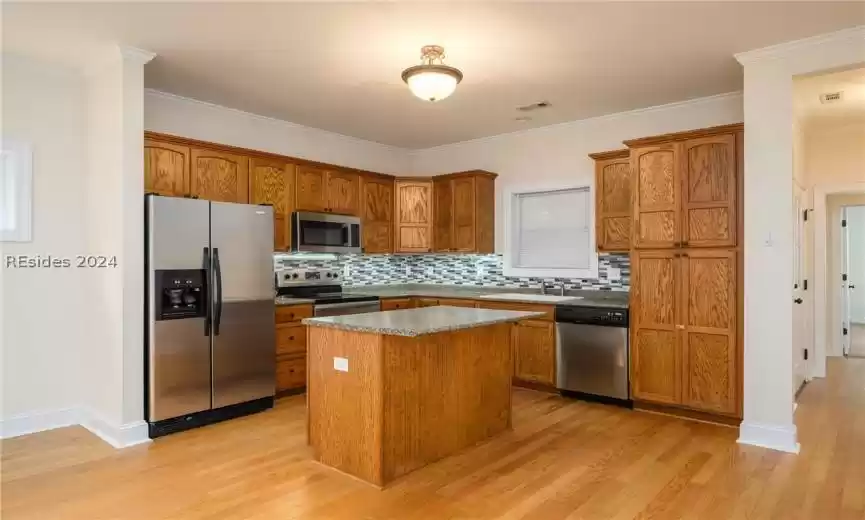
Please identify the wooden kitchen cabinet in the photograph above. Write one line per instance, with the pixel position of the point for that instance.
(685, 189)
(311, 186)
(343, 193)
(613, 204)
(393, 304)
(166, 168)
(413, 223)
(534, 347)
(219, 176)
(377, 214)
(453, 302)
(291, 347)
(271, 182)
(465, 212)
(683, 329)
(426, 302)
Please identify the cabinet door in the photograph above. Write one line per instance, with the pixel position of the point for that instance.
(614, 204)
(656, 194)
(444, 209)
(272, 182)
(427, 302)
(310, 184)
(219, 176)
(485, 214)
(343, 193)
(377, 213)
(166, 168)
(290, 372)
(655, 326)
(709, 192)
(709, 338)
(413, 216)
(535, 351)
(464, 214)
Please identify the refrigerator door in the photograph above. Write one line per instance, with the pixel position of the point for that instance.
(244, 342)
(178, 349)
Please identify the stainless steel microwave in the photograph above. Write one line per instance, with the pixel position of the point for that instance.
(324, 233)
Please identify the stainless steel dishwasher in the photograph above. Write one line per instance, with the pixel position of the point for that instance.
(592, 352)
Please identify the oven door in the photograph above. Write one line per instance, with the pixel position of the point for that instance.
(324, 233)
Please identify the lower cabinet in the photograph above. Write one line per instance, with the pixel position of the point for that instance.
(684, 336)
(426, 302)
(457, 303)
(393, 304)
(291, 346)
(534, 344)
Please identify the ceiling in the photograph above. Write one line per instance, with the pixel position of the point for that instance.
(850, 109)
(336, 66)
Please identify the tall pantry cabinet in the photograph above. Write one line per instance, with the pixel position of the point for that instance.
(686, 268)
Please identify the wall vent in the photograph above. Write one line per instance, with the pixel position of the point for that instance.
(831, 97)
(534, 106)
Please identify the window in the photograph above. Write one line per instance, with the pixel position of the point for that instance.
(15, 191)
(550, 233)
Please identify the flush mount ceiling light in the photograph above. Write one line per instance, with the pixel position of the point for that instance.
(432, 80)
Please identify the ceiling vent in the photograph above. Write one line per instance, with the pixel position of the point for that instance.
(534, 106)
(831, 97)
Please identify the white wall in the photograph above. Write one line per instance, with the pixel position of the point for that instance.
(558, 154)
(768, 100)
(185, 117)
(43, 310)
(835, 154)
(856, 261)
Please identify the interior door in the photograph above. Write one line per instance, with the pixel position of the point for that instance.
(800, 318)
(845, 283)
(244, 341)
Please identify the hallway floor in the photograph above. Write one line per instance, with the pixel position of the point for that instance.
(857, 340)
(563, 459)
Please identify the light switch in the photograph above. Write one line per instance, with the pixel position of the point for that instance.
(340, 364)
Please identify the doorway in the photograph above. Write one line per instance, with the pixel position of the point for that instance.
(853, 279)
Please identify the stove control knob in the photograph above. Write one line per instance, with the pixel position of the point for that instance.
(328, 275)
(335, 275)
(294, 275)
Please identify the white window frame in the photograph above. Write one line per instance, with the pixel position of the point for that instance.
(511, 213)
(17, 156)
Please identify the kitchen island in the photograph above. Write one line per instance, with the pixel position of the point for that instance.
(390, 392)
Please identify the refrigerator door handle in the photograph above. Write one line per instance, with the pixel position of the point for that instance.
(217, 300)
(205, 264)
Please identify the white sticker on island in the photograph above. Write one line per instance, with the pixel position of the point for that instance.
(341, 364)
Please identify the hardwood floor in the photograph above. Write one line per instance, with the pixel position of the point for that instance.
(563, 459)
(857, 340)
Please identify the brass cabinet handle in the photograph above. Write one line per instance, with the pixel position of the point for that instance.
(680, 327)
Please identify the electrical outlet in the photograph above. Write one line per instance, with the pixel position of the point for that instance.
(408, 270)
(340, 364)
(614, 274)
(430, 272)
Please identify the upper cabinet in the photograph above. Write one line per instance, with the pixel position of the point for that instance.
(343, 193)
(219, 176)
(465, 212)
(311, 185)
(613, 204)
(271, 182)
(328, 191)
(684, 189)
(413, 219)
(377, 214)
(166, 168)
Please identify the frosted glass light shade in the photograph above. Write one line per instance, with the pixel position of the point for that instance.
(432, 85)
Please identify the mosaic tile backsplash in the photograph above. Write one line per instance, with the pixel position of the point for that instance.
(450, 269)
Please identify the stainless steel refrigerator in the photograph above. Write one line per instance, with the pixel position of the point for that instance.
(209, 312)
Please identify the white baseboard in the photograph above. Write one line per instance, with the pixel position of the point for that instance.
(773, 437)
(25, 424)
(123, 436)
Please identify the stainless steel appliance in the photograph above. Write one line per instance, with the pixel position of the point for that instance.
(322, 286)
(209, 308)
(592, 352)
(325, 233)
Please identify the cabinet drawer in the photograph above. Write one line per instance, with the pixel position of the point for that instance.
(396, 303)
(548, 310)
(290, 339)
(426, 302)
(288, 313)
(457, 302)
(290, 372)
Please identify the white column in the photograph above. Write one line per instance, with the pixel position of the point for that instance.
(112, 363)
(768, 100)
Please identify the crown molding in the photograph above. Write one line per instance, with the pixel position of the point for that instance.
(781, 50)
(135, 54)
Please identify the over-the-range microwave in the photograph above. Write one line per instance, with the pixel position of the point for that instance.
(324, 233)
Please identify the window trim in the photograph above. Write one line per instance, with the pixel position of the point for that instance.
(508, 268)
(23, 172)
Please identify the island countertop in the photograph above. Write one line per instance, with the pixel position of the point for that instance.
(419, 322)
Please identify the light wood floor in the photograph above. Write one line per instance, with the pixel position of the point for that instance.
(857, 340)
(564, 459)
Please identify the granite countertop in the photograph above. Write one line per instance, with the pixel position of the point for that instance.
(419, 322)
(611, 299)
